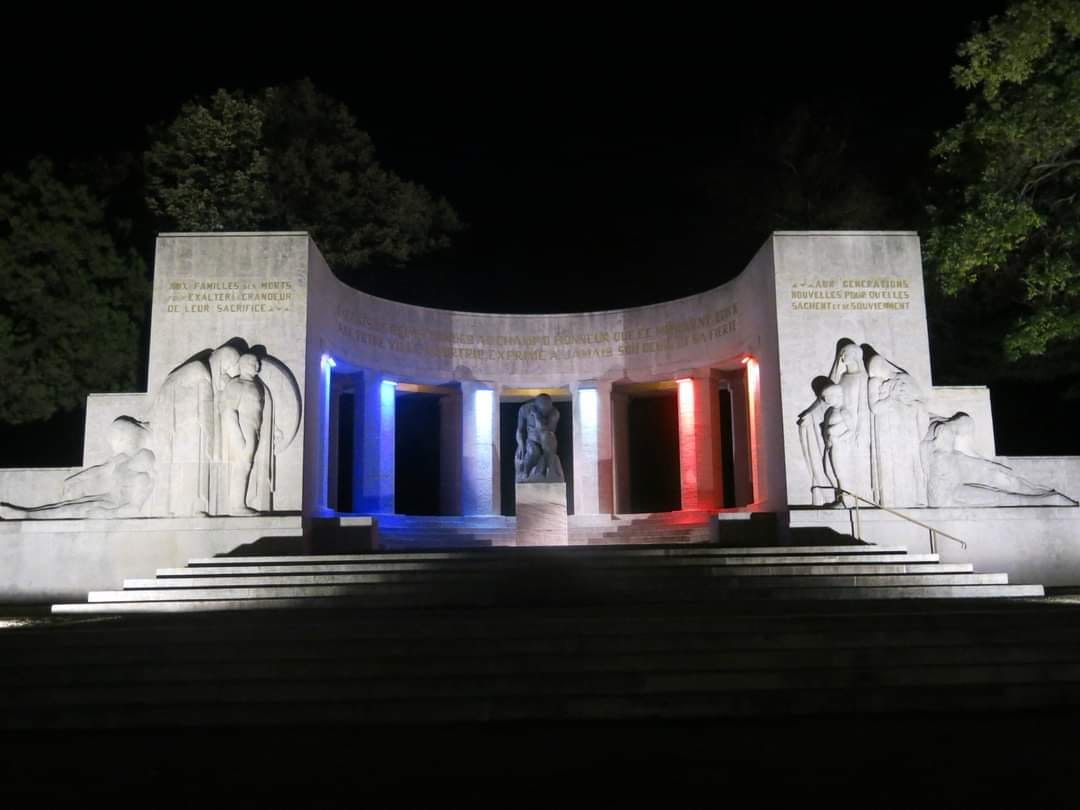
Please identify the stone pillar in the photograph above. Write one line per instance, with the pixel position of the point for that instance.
(593, 492)
(450, 464)
(317, 463)
(620, 447)
(753, 401)
(479, 449)
(373, 477)
(698, 412)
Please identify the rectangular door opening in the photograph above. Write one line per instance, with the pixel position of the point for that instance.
(417, 442)
(653, 438)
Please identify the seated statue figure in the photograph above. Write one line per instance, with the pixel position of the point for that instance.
(535, 459)
(957, 476)
(117, 488)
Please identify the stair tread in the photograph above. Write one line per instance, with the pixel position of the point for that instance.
(584, 551)
(437, 578)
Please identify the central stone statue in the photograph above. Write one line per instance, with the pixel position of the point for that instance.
(536, 460)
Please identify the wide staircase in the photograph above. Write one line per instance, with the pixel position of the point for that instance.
(581, 634)
(657, 528)
(561, 576)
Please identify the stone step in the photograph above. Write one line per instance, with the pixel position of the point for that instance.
(478, 595)
(676, 536)
(633, 539)
(298, 664)
(273, 643)
(494, 562)
(733, 568)
(202, 711)
(744, 624)
(406, 543)
(327, 686)
(575, 552)
(422, 531)
(653, 578)
(803, 619)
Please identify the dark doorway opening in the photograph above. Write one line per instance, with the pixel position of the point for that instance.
(346, 442)
(564, 436)
(416, 454)
(727, 450)
(654, 454)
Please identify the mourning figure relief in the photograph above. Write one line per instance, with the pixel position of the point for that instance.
(117, 488)
(535, 459)
(220, 419)
(869, 433)
(900, 420)
(215, 428)
(958, 476)
(834, 431)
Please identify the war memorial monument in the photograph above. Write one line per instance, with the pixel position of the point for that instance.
(269, 415)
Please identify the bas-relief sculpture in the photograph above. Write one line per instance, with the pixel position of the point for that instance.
(220, 420)
(835, 431)
(216, 426)
(117, 488)
(958, 476)
(868, 432)
(900, 420)
(535, 460)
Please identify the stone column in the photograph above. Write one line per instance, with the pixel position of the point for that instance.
(593, 492)
(450, 464)
(698, 412)
(620, 446)
(373, 477)
(479, 449)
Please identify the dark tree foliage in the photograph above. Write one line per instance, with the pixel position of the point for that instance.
(291, 158)
(207, 170)
(813, 167)
(1006, 237)
(71, 300)
(812, 177)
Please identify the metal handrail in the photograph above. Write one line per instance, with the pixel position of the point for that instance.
(933, 532)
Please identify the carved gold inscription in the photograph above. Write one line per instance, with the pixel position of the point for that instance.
(205, 296)
(852, 295)
(363, 330)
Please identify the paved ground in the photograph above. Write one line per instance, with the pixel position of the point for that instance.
(944, 758)
(940, 760)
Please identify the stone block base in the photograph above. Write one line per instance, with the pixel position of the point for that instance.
(60, 560)
(541, 515)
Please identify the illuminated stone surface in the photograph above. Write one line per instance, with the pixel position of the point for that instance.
(256, 348)
(541, 514)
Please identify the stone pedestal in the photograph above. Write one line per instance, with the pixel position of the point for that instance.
(541, 514)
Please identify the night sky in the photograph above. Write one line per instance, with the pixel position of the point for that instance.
(609, 159)
(598, 164)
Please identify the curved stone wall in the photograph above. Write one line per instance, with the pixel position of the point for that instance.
(433, 345)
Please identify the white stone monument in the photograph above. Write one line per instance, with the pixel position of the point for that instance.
(820, 346)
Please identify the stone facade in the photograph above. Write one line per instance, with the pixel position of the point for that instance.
(820, 346)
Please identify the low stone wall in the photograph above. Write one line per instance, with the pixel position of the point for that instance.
(27, 486)
(45, 561)
(1033, 544)
(1060, 472)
